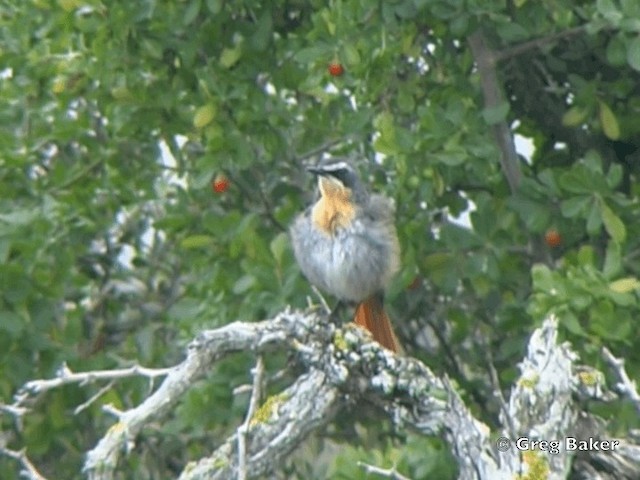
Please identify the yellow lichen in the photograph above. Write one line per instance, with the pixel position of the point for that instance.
(589, 379)
(265, 412)
(529, 382)
(340, 342)
(538, 467)
(220, 463)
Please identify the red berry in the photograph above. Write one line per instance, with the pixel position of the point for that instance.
(335, 69)
(553, 238)
(220, 184)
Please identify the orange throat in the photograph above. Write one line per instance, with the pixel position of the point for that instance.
(329, 216)
(334, 209)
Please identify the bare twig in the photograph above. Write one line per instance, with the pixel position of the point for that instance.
(391, 473)
(538, 43)
(65, 376)
(497, 391)
(13, 410)
(320, 149)
(625, 386)
(243, 430)
(93, 398)
(323, 301)
(28, 470)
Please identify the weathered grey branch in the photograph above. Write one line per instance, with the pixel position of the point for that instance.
(541, 405)
(343, 367)
(243, 430)
(625, 386)
(28, 470)
(65, 376)
(202, 353)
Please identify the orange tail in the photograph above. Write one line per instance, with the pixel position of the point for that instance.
(370, 314)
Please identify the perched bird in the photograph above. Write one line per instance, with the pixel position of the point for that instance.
(346, 244)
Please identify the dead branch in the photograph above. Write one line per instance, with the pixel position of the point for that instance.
(343, 367)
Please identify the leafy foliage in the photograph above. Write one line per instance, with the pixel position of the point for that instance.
(115, 247)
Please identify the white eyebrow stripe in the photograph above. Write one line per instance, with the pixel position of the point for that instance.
(334, 167)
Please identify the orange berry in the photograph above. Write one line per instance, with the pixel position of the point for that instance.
(335, 69)
(220, 184)
(553, 238)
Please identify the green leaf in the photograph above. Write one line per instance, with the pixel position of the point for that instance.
(614, 175)
(612, 260)
(186, 308)
(582, 180)
(20, 216)
(535, 215)
(406, 102)
(5, 248)
(630, 8)
(351, 55)
(630, 25)
(574, 206)
(586, 255)
(204, 115)
(496, 114)
(633, 53)
(613, 224)
(318, 52)
(459, 25)
(386, 143)
(278, 246)
(243, 284)
(617, 51)
(625, 285)
(457, 237)
(571, 323)
(609, 11)
(191, 12)
(196, 241)
(214, 6)
(594, 218)
(574, 116)
(593, 161)
(542, 277)
(452, 159)
(512, 32)
(609, 122)
(230, 56)
(263, 32)
(11, 323)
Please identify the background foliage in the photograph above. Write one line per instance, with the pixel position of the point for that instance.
(112, 253)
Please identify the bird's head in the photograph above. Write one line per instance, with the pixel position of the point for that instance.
(339, 180)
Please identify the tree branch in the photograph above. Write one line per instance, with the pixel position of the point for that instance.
(626, 386)
(486, 60)
(537, 43)
(28, 470)
(391, 473)
(258, 375)
(343, 368)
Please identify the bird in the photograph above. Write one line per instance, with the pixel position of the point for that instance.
(346, 244)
